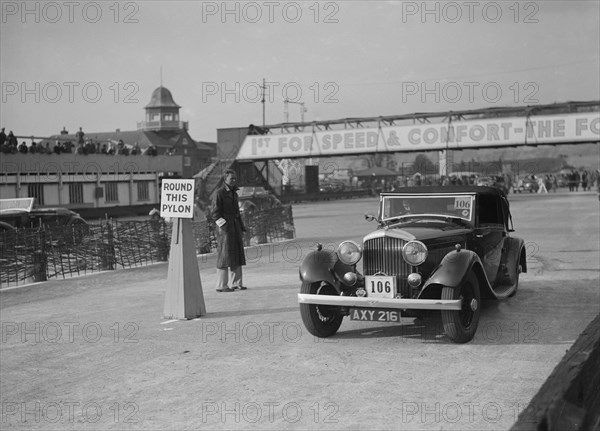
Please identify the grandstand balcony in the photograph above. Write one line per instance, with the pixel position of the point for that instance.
(162, 125)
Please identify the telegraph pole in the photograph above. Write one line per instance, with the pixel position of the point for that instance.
(286, 112)
(263, 88)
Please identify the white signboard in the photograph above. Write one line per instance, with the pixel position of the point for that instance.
(548, 129)
(177, 198)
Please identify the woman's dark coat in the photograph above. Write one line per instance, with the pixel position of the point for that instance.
(230, 242)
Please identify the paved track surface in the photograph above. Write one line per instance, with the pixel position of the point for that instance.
(94, 352)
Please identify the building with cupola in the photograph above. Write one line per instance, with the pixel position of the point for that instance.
(162, 129)
(162, 113)
(112, 172)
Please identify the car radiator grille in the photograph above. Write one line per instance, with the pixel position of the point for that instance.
(384, 255)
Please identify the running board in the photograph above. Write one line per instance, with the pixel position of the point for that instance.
(401, 303)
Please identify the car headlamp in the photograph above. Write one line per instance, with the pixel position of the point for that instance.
(414, 253)
(349, 252)
(350, 278)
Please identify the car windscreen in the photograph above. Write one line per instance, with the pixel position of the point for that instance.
(459, 206)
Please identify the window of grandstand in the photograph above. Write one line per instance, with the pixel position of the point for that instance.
(36, 191)
(143, 191)
(76, 193)
(111, 192)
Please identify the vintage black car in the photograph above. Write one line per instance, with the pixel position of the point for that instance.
(41, 217)
(435, 248)
(252, 199)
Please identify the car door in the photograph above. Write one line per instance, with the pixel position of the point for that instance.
(489, 234)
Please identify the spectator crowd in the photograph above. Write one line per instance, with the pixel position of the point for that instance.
(10, 145)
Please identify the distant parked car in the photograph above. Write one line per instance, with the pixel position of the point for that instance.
(493, 181)
(527, 185)
(19, 213)
(41, 217)
(332, 187)
(484, 181)
(251, 199)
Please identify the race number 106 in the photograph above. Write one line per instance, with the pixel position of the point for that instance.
(381, 287)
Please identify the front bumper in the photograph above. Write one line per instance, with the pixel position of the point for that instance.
(402, 303)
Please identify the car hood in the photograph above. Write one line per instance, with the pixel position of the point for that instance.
(421, 233)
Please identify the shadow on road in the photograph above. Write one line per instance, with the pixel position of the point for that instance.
(250, 312)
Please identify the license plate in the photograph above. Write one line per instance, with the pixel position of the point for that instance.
(380, 286)
(374, 315)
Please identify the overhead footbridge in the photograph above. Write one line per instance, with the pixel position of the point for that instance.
(266, 152)
(556, 124)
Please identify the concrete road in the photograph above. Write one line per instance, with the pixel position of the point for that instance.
(94, 352)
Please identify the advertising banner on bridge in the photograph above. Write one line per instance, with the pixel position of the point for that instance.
(509, 131)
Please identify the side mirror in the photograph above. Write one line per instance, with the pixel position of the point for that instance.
(370, 217)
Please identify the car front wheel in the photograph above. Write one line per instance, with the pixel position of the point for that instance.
(320, 320)
(460, 325)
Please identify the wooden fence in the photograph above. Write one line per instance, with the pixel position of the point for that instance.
(28, 255)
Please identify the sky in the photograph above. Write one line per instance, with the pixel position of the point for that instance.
(95, 64)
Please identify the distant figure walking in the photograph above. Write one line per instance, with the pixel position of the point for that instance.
(541, 186)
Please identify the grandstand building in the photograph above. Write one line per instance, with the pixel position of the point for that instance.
(96, 184)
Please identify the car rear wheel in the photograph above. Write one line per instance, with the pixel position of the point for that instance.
(460, 326)
(320, 320)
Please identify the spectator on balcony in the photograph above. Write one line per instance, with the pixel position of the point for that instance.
(2, 137)
(58, 148)
(104, 149)
(151, 150)
(136, 149)
(90, 147)
(12, 140)
(122, 149)
(33, 149)
(80, 136)
(23, 148)
(64, 131)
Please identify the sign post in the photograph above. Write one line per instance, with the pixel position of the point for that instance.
(184, 298)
